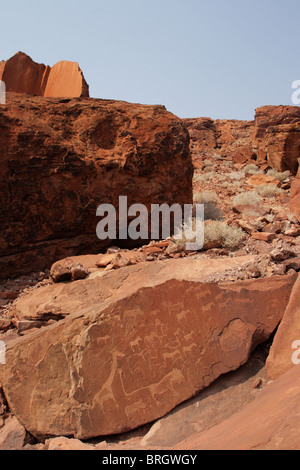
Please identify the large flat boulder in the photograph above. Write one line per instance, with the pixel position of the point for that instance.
(130, 345)
(61, 159)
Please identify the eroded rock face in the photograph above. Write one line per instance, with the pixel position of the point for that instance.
(295, 195)
(274, 136)
(223, 138)
(277, 132)
(22, 75)
(61, 159)
(134, 343)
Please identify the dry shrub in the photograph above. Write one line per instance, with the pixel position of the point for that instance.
(280, 176)
(219, 234)
(210, 201)
(268, 190)
(247, 198)
(252, 169)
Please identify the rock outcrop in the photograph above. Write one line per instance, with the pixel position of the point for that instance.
(280, 358)
(127, 346)
(61, 159)
(221, 138)
(22, 75)
(295, 195)
(277, 133)
(273, 136)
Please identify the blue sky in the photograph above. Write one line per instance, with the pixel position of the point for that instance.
(212, 58)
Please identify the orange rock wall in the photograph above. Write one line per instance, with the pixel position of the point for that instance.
(22, 75)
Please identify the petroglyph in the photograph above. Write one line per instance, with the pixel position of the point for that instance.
(133, 358)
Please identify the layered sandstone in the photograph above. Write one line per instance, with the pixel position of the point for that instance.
(62, 158)
(273, 136)
(22, 75)
(129, 345)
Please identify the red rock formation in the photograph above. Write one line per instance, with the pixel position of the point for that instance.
(274, 136)
(280, 358)
(61, 159)
(66, 80)
(277, 133)
(134, 343)
(222, 138)
(295, 195)
(22, 75)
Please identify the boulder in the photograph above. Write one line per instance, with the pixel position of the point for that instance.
(129, 345)
(295, 195)
(277, 133)
(77, 155)
(280, 358)
(22, 75)
(270, 422)
(225, 397)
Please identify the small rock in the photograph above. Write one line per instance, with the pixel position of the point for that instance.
(253, 272)
(279, 270)
(26, 325)
(292, 232)
(293, 264)
(113, 250)
(5, 324)
(257, 383)
(60, 272)
(273, 228)
(63, 443)
(151, 250)
(264, 236)
(105, 260)
(119, 261)
(78, 272)
(12, 435)
(259, 179)
(282, 252)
